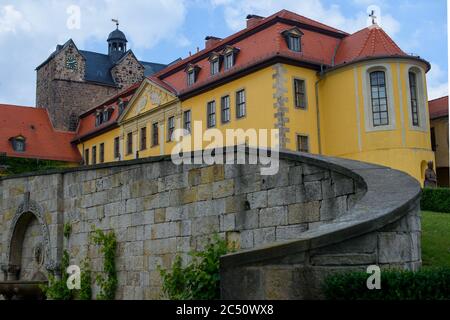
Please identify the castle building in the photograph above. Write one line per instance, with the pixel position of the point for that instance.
(72, 81)
(356, 96)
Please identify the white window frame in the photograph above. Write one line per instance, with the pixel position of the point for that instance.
(421, 98)
(368, 113)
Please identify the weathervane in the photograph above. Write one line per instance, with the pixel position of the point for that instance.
(116, 21)
(373, 16)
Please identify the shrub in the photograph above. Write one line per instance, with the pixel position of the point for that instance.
(57, 289)
(199, 280)
(426, 284)
(437, 200)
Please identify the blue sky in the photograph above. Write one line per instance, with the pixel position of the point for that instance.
(163, 30)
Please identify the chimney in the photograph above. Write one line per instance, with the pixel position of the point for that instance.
(210, 41)
(253, 19)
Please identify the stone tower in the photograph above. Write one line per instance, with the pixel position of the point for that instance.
(72, 81)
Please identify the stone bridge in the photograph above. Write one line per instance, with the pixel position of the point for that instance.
(316, 216)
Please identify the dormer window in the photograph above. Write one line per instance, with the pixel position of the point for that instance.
(98, 119)
(18, 144)
(107, 114)
(191, 77)
(122, 106)
(103, 116)
(229, 57)
(192, 72)
(215, 60)
(293, 39)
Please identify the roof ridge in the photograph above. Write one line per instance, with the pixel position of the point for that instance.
(364, 43)
(384, 42)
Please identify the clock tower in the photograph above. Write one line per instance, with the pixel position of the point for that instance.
(72, 81)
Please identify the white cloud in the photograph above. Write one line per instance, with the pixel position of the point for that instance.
(30, 31)
(236, 11)
(437, 82)
(12, 20)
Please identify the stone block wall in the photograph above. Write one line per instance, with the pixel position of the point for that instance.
(382, 228)
(159, 210)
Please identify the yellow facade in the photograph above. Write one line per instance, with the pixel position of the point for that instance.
(336, 118)
(344, 124)
(107, 139)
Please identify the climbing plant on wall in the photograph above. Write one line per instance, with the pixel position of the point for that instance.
(199, 280)
(107, 281)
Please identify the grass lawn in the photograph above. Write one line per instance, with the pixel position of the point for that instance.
(435, 239)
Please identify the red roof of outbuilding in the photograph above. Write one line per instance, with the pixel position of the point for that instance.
(438, 107)
(42, 140)
(87, 127)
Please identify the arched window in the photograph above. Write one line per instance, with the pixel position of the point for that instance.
(414, 98)
(380, 114)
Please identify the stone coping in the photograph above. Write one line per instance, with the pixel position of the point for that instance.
(388, 196)
(307, 158)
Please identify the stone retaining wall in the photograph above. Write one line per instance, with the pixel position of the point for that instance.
(159, 210)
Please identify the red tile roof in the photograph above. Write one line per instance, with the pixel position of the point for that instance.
(87, 127)
(438, 107)
(321, 46)
(368, 42)
(42, 140)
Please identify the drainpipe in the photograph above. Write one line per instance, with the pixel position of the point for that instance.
(321, 75)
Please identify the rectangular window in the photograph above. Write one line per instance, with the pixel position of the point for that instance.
(240, 104)
(302, 143)
(170, 128)
(379, 99)
(191, 78)
(187, 121)
(229, 61)
(211, 114)
(300, 93)
(102, 153)
(117, 148)
(294, 43)
(143, 138)
(94, 155)
(155, 134)
(226, 112)
(433, 139)
(215, 67)
(129, 143)
(86, 157)
(413, 93)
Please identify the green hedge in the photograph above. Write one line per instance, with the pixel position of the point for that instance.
(23, 165)
(426, 284)
(437, 200)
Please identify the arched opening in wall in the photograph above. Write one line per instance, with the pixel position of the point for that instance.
(423, 167)
(27, 250)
